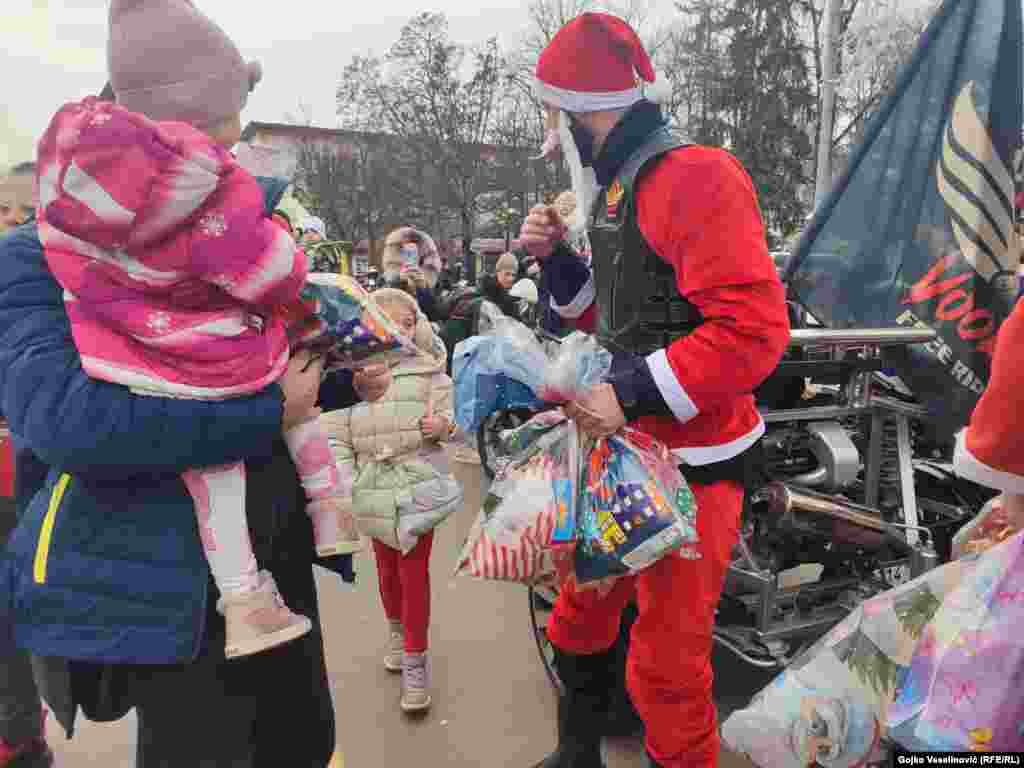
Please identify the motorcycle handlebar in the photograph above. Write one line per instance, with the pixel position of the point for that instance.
(878, 337)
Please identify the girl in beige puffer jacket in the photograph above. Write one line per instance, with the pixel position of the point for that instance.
(395, 474)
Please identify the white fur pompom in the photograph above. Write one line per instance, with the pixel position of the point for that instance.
(660, 91)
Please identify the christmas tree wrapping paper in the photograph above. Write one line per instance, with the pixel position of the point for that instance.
(932, 665)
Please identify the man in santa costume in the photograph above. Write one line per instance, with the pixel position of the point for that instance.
(682, 289)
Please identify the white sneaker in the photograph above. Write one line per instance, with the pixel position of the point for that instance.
(396, 648)
(415, 683)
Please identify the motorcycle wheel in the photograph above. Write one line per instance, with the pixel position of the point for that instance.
(488, 433)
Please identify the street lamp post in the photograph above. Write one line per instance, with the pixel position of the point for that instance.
(831, 23)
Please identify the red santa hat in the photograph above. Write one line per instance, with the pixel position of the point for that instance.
(591, 64)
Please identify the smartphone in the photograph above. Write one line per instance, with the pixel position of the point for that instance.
(410, 255)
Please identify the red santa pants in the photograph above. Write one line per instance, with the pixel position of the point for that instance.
(668, 672)
(405, 589)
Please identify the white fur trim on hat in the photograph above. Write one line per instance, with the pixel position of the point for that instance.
(580, 101)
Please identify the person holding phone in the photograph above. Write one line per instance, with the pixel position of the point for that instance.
(412, 262)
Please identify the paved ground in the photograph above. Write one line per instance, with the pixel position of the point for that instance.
(493, 705)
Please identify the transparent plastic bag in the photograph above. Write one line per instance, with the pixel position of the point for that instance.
(430, 502)
(337, 318)
(508, 367)
(529, 502)
(579, 363)
(634, 508)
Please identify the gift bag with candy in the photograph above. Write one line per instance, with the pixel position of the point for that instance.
(527, 506)
(338, 319)
(634, 508)
(630, 505)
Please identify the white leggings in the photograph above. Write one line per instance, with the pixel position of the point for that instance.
(219, 497)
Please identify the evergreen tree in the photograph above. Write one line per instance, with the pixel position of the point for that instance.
(769, 101)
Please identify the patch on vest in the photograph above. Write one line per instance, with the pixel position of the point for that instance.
(614, 195)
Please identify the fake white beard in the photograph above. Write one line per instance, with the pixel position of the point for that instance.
(584, 179)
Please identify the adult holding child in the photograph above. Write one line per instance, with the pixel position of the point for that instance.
(107, 564)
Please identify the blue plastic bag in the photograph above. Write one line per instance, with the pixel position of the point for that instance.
(509, 368)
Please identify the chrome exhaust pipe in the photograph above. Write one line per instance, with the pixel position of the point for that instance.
(805, 511)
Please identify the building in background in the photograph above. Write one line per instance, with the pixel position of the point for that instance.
(378, 182)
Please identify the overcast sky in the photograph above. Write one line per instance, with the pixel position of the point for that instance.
(52, 51)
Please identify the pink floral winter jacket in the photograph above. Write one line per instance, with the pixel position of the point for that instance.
(169, 265)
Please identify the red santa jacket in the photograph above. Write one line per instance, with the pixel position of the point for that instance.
(991, 450)
(698, 210)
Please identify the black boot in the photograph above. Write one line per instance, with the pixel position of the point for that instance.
(583, 710)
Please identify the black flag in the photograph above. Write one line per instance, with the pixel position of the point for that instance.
(919, 229)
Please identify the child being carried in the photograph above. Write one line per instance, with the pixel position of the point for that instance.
(174, 279)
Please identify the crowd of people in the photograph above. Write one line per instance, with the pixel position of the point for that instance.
(152, 395)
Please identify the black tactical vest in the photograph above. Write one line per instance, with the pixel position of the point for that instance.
(640, 309)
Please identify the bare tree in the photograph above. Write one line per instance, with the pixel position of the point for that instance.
(419, 94)
(518, 133)
(548, 16)
(323, 176)
(358, 184)
(878, 40)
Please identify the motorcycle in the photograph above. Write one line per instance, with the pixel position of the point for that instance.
(858, 496)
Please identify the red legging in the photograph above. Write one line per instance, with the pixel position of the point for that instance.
(405, 589)
(668, 673)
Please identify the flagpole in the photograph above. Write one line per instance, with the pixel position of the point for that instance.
(830, 22)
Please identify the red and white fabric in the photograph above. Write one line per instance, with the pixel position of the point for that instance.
(606, 77)
(990, 451)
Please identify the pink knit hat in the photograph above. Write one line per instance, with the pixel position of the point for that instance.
(170, 62)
